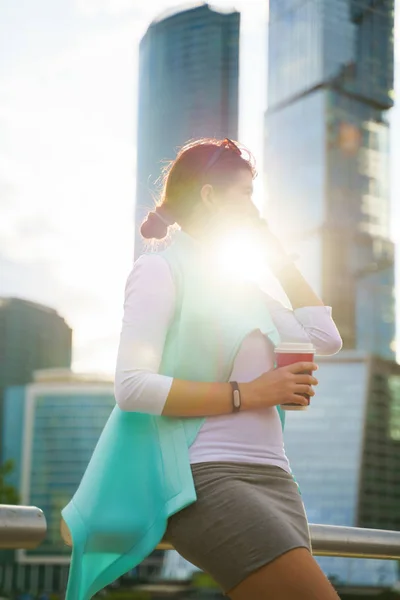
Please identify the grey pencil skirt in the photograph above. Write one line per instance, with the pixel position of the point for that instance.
(245, 516)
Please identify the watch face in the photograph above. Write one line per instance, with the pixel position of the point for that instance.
(236, 399)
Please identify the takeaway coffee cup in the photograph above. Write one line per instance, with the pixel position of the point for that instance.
(288, 353)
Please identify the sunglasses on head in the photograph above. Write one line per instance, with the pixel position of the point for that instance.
(227, 144)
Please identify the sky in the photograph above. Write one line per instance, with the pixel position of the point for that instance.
(68, 99)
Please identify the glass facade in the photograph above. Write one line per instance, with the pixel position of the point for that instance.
(375, 296)
(359, 256)
(295, 167)
(188, 88)
(345, 460)
(294, 49)
(379, 501)
(327, 156)
(324, 444)
(373, 35)
(320, 43)
(12, 434)
(357, 165)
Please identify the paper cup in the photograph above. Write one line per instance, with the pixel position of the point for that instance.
(288, 353)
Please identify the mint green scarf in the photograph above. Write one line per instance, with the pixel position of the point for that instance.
(139, 473)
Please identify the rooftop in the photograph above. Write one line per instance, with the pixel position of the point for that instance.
(7, 301)
(68, 376)
(172, 12)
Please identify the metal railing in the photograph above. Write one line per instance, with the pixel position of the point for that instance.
(354, 542)
(24, 527)
(21, 527)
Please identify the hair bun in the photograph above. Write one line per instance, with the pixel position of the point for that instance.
(154, 227)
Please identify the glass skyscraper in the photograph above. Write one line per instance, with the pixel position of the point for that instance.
(188, 88)
(345, 453)
(32, 336)
(327, 155)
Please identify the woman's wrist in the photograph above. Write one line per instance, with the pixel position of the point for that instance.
(281, 264)
(198, 399)
(277, 257)
(247, 394)
(296, 288)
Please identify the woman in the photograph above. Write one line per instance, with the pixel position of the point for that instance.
(247, 528)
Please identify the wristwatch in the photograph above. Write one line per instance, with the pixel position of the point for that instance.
(236, 398)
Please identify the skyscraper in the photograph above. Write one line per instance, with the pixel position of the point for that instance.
(327, 156)
(32, 336)
(345, 453)
(188, 88)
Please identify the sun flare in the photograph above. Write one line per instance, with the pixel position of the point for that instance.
(240, 255)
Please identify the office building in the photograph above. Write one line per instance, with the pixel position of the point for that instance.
(32, 336)
(188, 88)
(330, 88)
(345, 454)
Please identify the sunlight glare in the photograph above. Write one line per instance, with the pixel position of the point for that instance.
(240, 255)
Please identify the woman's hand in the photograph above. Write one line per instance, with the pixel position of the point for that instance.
(279, 386)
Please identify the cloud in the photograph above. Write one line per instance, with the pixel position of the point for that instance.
(7, 192)
(93, 8)
(36, 226)
(147, 11)
(33, 281)
(67, 185)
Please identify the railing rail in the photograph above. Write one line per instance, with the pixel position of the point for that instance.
(355, 542)
(21, 527)
(24, 527)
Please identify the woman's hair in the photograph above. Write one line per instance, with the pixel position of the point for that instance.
(199, 162)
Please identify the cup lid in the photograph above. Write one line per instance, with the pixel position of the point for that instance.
(295, 348)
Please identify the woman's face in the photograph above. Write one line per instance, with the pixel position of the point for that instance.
(234, 205)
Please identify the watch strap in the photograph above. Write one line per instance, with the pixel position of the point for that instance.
(236, 397)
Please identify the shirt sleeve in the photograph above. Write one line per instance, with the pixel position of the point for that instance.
(148, 310)
(307, 324)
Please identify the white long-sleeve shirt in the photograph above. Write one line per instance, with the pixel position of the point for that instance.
(248, 436)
